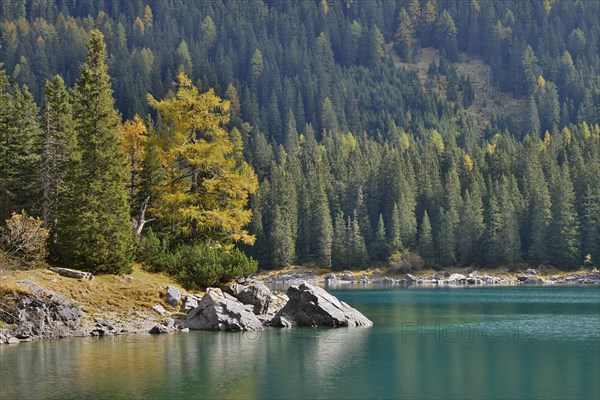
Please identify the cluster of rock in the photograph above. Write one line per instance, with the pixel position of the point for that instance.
(252, 306)
(38, 315)
(468, 277)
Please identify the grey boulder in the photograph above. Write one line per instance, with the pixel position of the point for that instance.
(457, 278)
(312, 306)
(173, 296)
(255, 294)
(159, 329)
(223, 312)
(41, 314)
(190, 302)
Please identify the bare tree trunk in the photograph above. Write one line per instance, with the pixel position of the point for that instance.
(138, 225)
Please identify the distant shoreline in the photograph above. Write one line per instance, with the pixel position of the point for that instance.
(455, 277)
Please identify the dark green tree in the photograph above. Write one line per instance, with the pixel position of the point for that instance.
(97, 236)
(60, 155)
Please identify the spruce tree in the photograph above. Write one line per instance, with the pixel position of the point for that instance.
(470, 229)
(426, 247)
(395, 231)
(564, 230)
(97, 235)
(379, 246)
(60, 155)
(6, 159)
(590, 224)
(282, 241)
(20, 149)
(356, 242)
(540, 213)
(322, 228)
(339, 245)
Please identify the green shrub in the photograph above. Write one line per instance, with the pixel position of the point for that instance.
(154, 253)
(406, 261)
(203, 266)
(195, 266)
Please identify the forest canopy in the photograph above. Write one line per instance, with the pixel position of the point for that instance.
(330, 133)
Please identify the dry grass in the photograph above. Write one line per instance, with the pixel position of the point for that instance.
(105, 293)
(488, 99)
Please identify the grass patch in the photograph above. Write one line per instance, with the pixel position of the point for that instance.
(105, 293)
(488, 99)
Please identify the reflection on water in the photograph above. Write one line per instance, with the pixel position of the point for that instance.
(430, 343)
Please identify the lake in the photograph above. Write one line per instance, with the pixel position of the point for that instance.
(463, 343)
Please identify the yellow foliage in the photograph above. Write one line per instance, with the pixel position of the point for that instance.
(324, 7)
(438, 141)
(404, 141)
(133, 134)
(468, 162)
(206, 183)
(567, 58)
(546, 141)
(23, 240)
(547, 6)
(541, 83)
(430, 12)
(348, 143)
(148, 17)
(586, 130)
(567, 134)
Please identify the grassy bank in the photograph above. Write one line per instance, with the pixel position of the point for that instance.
(118, 298)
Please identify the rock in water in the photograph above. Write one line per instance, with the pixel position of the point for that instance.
(158, 329)
(173, 296)
(313, 306)
(256, 294)
(220, 311)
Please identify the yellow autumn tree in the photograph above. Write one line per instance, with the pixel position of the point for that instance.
(134, 135)
(206, 184)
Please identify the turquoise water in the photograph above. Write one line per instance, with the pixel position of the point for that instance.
(471, 343)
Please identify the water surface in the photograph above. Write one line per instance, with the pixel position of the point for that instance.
(468, 343)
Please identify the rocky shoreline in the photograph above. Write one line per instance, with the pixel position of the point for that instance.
(32, 313)
(467, 277)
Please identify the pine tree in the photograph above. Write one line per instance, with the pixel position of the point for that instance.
(356, 242)
(97, 234)
(590, 224)
(470, 229)
(379, 251)
(20, 149)
(446, 35)
(322, 228)
(282, 241)
(532, 119)
(404, 36)
(426, 248)
(339, 245)
(564, 230)
(540, 213)
(6, 146)
(60, 154)
(395, 231)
